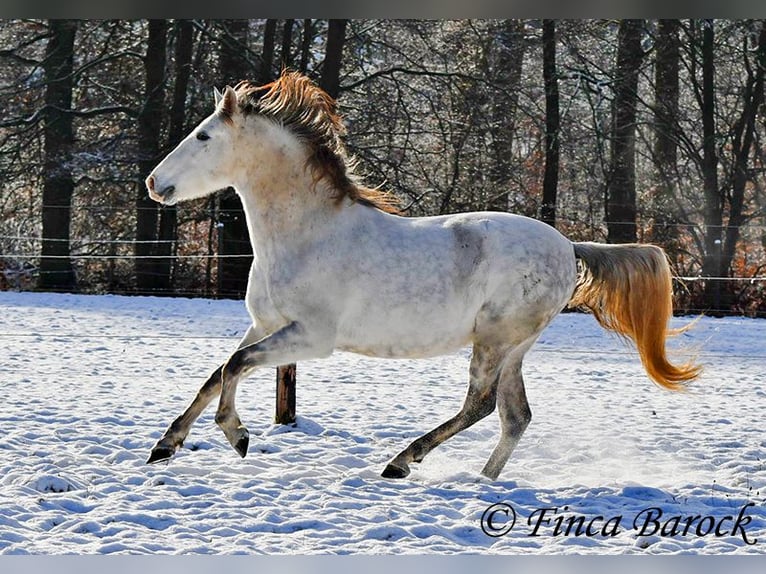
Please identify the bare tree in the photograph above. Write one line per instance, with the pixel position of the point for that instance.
(168, 225)
(509, 59)
(667, 63)
(336, 38)
(267, 55)
(148, 269)
(621, 186)
(286, 54)
(58, 183)
(552, 123)
(233, 238)
(743, 140)
(713, 213)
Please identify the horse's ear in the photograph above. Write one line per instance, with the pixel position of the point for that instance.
(217, 95)
(228, 105)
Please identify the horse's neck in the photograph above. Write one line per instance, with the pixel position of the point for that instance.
(279, 220)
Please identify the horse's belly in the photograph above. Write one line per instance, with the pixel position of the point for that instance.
(409, 335)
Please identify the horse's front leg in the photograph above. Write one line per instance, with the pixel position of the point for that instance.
(293, 343)
(179, 429)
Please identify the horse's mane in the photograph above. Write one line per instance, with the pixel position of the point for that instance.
(295, 102)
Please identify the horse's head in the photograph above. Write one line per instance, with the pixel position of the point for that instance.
(285, 135)
(205, 161)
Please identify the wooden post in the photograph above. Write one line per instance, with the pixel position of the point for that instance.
(285, 414)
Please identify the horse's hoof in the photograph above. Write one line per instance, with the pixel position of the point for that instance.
(160, 454)
(242, 442)
(393, 471)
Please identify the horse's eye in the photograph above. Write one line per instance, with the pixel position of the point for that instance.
(202, 136)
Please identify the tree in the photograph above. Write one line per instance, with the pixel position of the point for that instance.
(58, 183)
(667, 63)
(233, 239)
(713, 211)
(744, 139)
(307, 39)
(621, 186)
(336, 39)
(286, 55)
(510, 47)
(148, 269)
(267, 55)
(168, 225)
(552, 123)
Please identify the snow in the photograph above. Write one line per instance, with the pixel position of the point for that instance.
(89, 383)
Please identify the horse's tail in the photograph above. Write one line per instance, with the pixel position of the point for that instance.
(629, 290)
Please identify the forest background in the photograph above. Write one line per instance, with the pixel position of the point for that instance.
(610, 130)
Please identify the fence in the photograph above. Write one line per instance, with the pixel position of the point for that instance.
(19, 271)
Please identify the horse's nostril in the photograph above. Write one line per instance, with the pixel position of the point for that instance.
(168, 190)
(150, 183)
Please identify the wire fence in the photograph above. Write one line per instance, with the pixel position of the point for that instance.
(184, 253)
(131, 257)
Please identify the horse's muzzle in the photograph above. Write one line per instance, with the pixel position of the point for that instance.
(161, 196)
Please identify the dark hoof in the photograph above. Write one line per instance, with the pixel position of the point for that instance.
(392, 471)
(160, 454)
(242, 444)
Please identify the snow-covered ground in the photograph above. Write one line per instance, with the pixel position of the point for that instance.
(88, 384)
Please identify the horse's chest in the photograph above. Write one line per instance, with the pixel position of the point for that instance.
(260, 303)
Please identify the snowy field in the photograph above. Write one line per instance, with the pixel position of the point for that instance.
(88, 384)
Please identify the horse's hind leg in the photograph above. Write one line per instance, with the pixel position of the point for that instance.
(479, 402)
(514, 417)
(179, 429)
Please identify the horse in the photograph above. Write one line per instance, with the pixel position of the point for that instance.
(337, 267)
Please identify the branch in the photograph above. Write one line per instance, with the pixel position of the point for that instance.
(37, 116)
(407, 71)
(102, 59)
(12, 55)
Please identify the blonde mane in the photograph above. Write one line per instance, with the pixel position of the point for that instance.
(295, 102)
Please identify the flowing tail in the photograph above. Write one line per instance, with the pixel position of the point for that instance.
(629, 290)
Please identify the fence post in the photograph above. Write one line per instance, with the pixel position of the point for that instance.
(285, 414)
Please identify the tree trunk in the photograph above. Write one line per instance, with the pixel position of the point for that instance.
(552, 123)
(333, 58)
(58, 184)
(665, 133)
(285, 56)
(148, 270)
(713, 212)
(169, 214)
(510, 59)
(234, 239)
(744, 130)
(267, 56)
(308, 36)
(621, 187)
